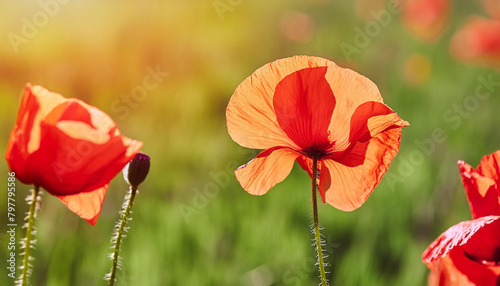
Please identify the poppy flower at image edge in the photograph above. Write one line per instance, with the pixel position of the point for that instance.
(469, 252)
(67, 147)
(300, 107)
(466, 254)
(482, 186)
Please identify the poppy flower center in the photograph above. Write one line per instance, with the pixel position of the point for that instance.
(318, 150)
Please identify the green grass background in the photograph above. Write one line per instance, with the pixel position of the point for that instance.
(192, 222)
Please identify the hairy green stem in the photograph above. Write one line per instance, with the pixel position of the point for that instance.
(29, 237)
(316, 223)
(120, 233)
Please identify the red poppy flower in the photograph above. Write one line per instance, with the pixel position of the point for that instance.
(69, 148)
(466, 254)
(483, 185)
(426, 19)
(469, 252)
(478, 41)
(300, 107)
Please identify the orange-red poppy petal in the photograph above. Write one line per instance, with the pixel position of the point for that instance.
(65, 145)
(351, 90)
(490, 166)
(97, 162)
(460, 234)
(36, 103)
(251, 120)
(481, 186)
(87, 205)
(304, 103)
(307, 164)
(267, 169)
(458, 269)
(468, 253)
(484, 246)
(354, 174)
(371, 118)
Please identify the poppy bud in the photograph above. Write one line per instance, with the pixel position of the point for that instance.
(136, 170)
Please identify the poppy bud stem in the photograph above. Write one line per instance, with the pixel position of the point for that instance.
(316, 223)
(29, 241)
(119, 233)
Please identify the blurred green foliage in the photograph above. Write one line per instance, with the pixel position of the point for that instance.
(192, 222)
